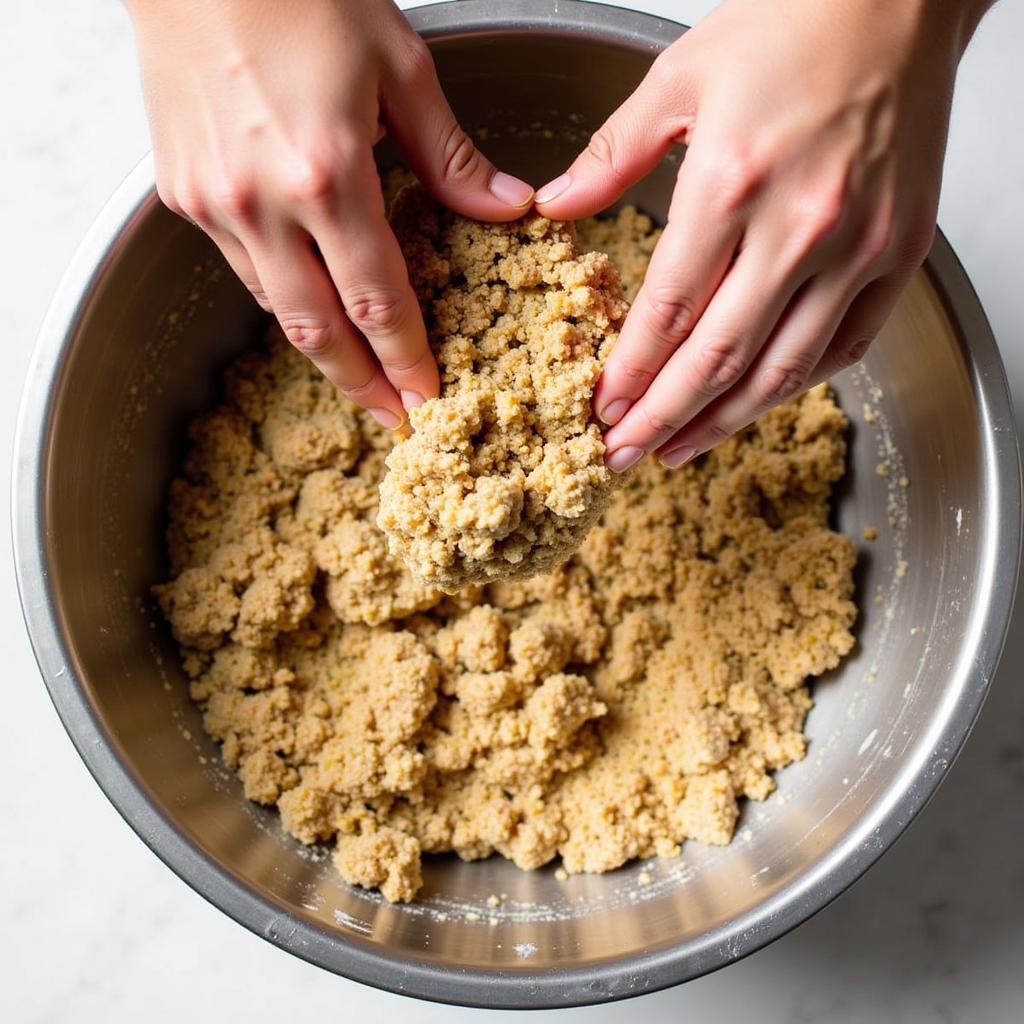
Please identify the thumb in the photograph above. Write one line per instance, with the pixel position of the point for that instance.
(443, 156)
(626, 148)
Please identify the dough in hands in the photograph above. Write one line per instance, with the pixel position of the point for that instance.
(503, 475)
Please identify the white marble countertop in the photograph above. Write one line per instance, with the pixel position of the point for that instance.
(95, 928)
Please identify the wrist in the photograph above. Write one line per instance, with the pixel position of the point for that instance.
(971, 13)
(951, 21)
(937, 26)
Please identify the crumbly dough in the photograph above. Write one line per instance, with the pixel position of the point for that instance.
(503, 475)
(628, 238)
(608, 710)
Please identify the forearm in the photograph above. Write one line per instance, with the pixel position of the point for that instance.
(971, 13)
(943, 26)
(955, 20)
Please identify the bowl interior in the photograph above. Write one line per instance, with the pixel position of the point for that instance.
(145, 354)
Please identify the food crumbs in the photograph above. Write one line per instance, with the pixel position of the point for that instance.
(503, 475)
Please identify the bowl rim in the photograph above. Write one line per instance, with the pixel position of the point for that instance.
(521, 988)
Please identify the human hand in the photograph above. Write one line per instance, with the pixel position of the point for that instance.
(815, 133)
(264, 115)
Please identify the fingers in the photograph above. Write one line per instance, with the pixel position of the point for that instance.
(359, 279)
(369, 272)
(443, 156)
(240, 262)
(307, 306)
(742, 314)
(690, 260)
(626, 147)
(824, 332)
(863, 322)
(199, 213)
(782, 369)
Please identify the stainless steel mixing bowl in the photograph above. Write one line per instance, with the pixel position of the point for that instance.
(143, 322)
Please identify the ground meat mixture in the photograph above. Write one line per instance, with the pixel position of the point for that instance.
(607, 710)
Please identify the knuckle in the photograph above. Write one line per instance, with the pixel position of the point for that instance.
(632, 371)
(604, 148)
(412, 62)
(236, 197)
(374, 308)
(777, 383)
(878, 239)
(664, 71)
(357, 392)
(854, 351)
(670, 316)
(718, 365)
(309, 335)
(257, 292)
(406, 364)
(312, 180)
(817, 215)
(461, 160)
(918, 243)
(191, 203)
(601, 146)
(165, 192)
(736, 179)
(661, 423)
(716, 432)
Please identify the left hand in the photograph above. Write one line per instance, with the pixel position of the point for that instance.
(264, 115)
(815, 133)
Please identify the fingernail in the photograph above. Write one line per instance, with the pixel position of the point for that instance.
(553, 189)
(675, 458)
(510, 190)
(386, 418)
(614, 411)
(411, 400)
(622, 458)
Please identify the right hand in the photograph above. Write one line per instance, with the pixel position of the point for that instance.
(264, 115)
(815, 133)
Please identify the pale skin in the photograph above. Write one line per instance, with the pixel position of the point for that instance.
(815, 132)
(264, 115)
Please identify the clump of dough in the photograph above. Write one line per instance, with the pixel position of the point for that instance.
(250, 590)
(612, 709)
(280, 483)
(387, 859)
(504, 474)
